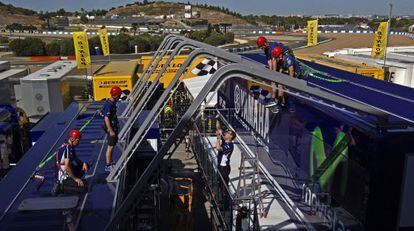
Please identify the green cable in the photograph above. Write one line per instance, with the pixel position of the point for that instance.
(309, 71)
(42, 164)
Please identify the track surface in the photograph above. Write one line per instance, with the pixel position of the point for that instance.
(353, 41)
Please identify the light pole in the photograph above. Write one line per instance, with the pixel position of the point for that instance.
(388, 36)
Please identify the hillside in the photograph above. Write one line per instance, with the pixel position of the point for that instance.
(10, 14)
(166, 8)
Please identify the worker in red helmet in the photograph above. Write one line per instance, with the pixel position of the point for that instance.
(70, 168)
(267, 47)
(111, 124)
(289, 66)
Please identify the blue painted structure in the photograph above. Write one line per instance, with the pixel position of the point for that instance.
(364, 169)
(94, 208)
(395, 99)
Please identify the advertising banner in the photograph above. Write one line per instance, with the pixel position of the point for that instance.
(103, 36)
(312, 32)
(83, 58)
(380, 41)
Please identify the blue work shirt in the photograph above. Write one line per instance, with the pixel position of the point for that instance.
(66, 151)
(109, 110)
(226, 151)
(288, 61)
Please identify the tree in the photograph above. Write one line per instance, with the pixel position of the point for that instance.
(142, 43)
(123, 30)
(53, 49)
(14, 26)
(120, 44)
(61, 12)
(134, 27)
(215, 39)
(28, 47)
(4, 40)
(67, 47)
(229, 37)
(83, 18)
(200, 35)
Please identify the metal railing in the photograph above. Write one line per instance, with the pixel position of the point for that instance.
(238, 68)
(222, 196)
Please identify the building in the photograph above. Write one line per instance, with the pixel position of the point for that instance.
(119, 22)
(60, 22)
(9, 78)
(46, 90)
(400, 62)
(187, 11)
(225, 27)
(411, 28)
(195, 14)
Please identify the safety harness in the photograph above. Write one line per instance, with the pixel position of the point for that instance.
(50, 157)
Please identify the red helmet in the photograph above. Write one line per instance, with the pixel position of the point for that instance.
(261, 41)
(116, 91)
(75, 134)
(277, 51)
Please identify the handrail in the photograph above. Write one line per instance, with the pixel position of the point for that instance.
(238, 70)
(146, 97)
(162, 49)
(162, 101)
(241, 68)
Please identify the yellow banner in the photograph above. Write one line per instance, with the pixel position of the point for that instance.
(380, 41)
(83, 58)
(312, 32)
(103, 36)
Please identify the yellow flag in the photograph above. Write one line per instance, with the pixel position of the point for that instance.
(380, 41)
(83, 58)
(103, 35)
(312, 32)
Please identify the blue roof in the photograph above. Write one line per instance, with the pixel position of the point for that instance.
(43, 125)
(396, 100)
(94, 208)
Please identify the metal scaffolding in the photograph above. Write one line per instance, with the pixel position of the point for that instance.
(237, 67)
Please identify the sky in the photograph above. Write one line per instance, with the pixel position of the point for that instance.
(269, 7)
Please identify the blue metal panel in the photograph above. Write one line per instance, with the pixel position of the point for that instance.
(43, 125)
(95, 207)
(17, 185)
(393, 98)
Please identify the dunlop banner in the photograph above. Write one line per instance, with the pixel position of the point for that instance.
(83, 58)
(103, 36)
(312, 32)
(380, 41)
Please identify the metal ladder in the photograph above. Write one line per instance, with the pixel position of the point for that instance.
(239, 68)
(249, 184)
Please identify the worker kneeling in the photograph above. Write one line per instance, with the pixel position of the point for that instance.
(70, 168)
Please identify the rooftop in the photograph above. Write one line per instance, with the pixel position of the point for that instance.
(118, 68)
(55, 70)
(9, 73)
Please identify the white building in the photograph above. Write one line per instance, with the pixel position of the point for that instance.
(411, 28)
(400, 62)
